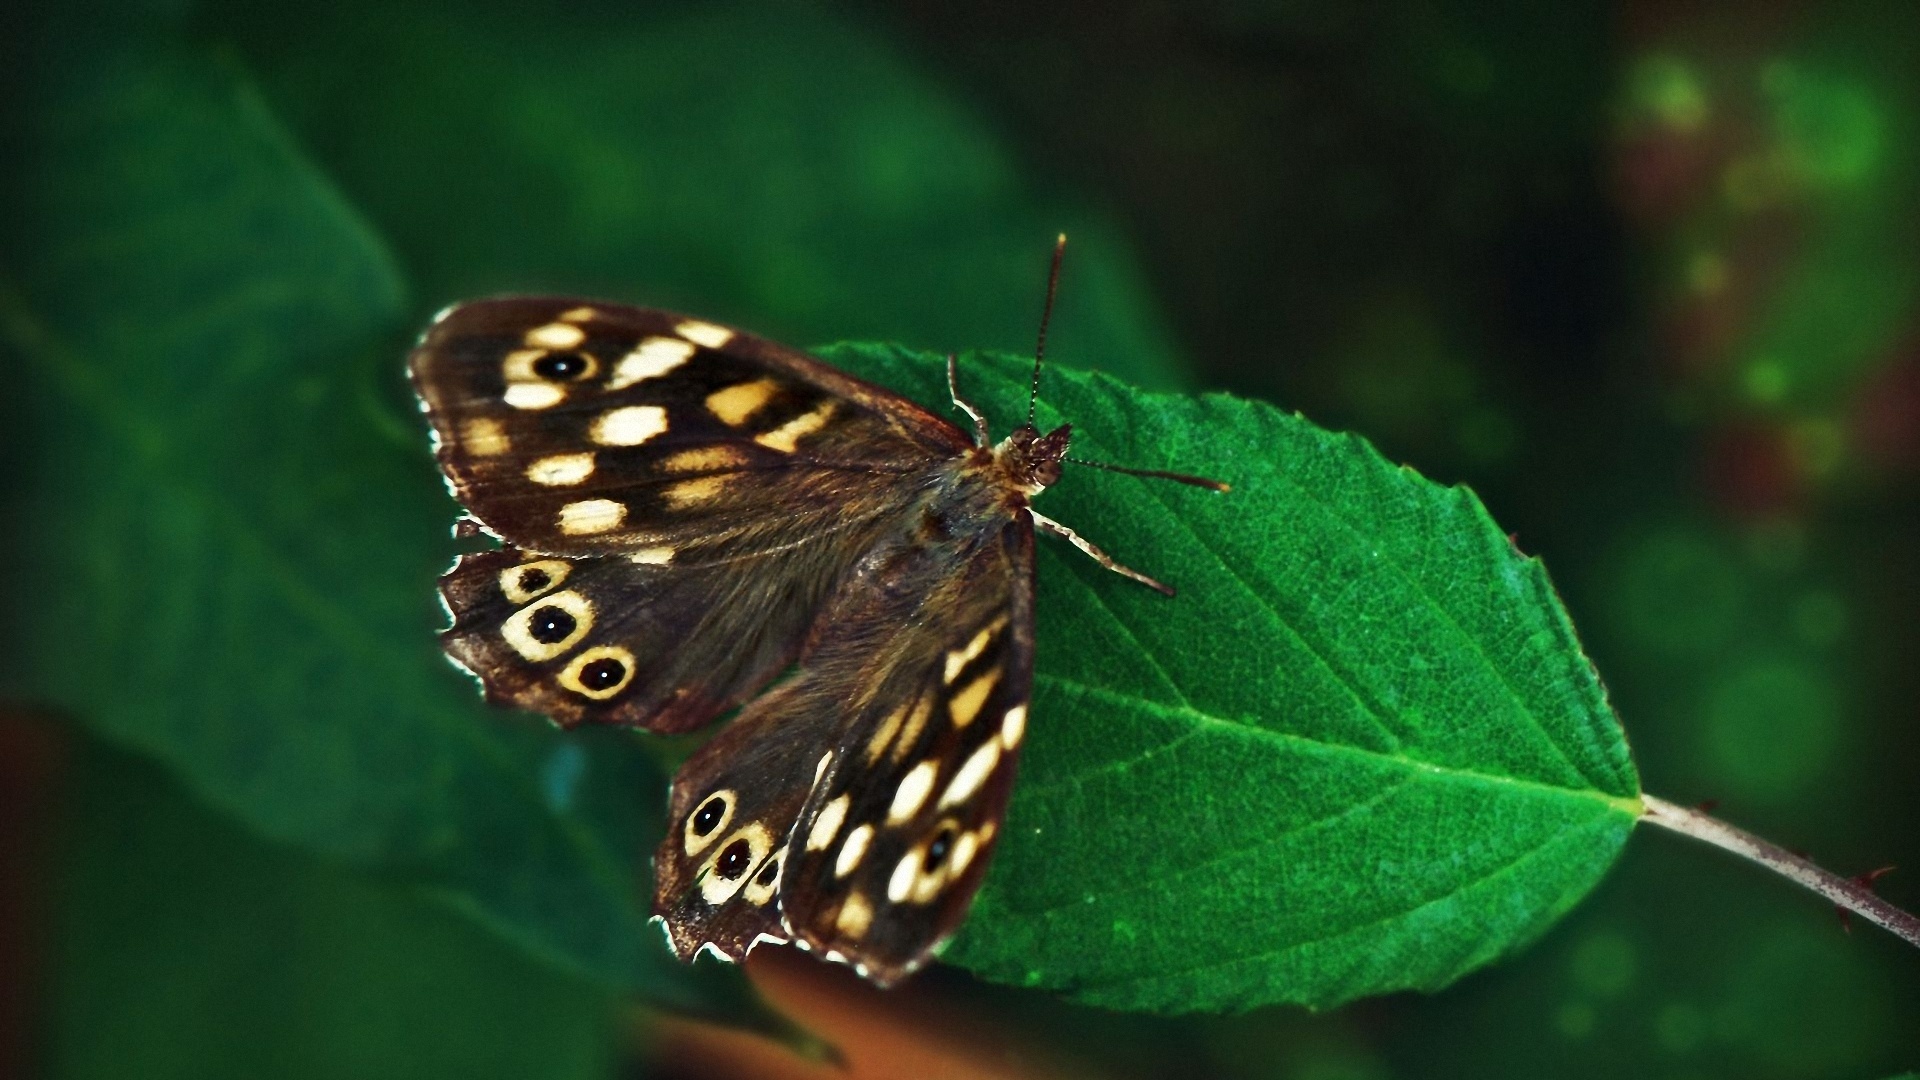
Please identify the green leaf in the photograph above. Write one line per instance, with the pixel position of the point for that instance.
(189, 949)
(1361, 752)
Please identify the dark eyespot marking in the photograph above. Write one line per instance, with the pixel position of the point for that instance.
(534, 581)
(708, 817)
(551, 625)
(561, 366)
(603, 674)
(767, 873)
(734, 860)
(940, 848)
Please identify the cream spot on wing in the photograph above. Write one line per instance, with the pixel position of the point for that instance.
(855, 916)
(966, 704)
(518, 589)
(703, 458)
(653, 556)
(1013, 726)
(912, 793)
(878, 744)
(579, 314)
(696, 841)
(827, 825)
(717, 889)
(538, 395)
(483, 436)
(820, 767)
(589, 516)
(967, 781)
(958, 659)
(786, 438)
(852, 850)
(517, 366)
(916, 720)
(542, 618)
(652, 358)
(628, 426)
(764, 885)
(963, 851)
(556, 335)
(736, 404)
(693, 492)
(561, 470)
(603, 660)
(905, 874)
(705, 333)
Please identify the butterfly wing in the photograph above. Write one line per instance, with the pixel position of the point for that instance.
(677, 499)
(573, 427)
(916, 688)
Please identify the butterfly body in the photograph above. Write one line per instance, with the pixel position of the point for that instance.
(686, 512)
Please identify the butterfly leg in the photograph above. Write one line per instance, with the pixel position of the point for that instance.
(1101, 557)
(953, 390)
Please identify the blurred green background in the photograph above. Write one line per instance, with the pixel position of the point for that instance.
(1644, 274)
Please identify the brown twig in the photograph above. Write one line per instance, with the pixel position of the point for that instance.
(1851, 894)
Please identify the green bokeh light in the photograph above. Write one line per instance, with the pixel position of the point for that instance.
(1604, 964)
(1678, 593)
(1771, 728)
(1669, 89)
(1830, 129)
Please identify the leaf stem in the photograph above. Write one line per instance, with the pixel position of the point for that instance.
(1851, 894)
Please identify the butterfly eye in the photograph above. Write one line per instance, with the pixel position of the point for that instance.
(940, 848)
(708, 817)
(549, 628)
(561, 366)
(599, 672)
(528, 580)
(603, 674)
(734, 860)
(551, 625)
(706, 822)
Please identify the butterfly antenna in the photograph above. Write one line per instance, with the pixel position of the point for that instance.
(1046, 316)
(1157, 474)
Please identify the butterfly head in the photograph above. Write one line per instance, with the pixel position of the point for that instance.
(1030, 460)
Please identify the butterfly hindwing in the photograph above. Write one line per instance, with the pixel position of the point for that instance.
(613, 641)
(717, 872)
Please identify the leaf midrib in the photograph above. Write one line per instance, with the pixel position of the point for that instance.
(1198, 718)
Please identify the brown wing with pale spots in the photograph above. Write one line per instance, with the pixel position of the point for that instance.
(574, 427)
(717, 872)
(683, 494)
(611, 641)
(897, 832)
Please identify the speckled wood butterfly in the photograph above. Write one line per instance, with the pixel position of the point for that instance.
(687, 510)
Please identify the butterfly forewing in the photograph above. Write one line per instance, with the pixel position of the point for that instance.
(574, 427)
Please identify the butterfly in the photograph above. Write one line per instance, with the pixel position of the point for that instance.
(686, 511)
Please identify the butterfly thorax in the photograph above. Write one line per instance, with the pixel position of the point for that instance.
(1030, 461)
